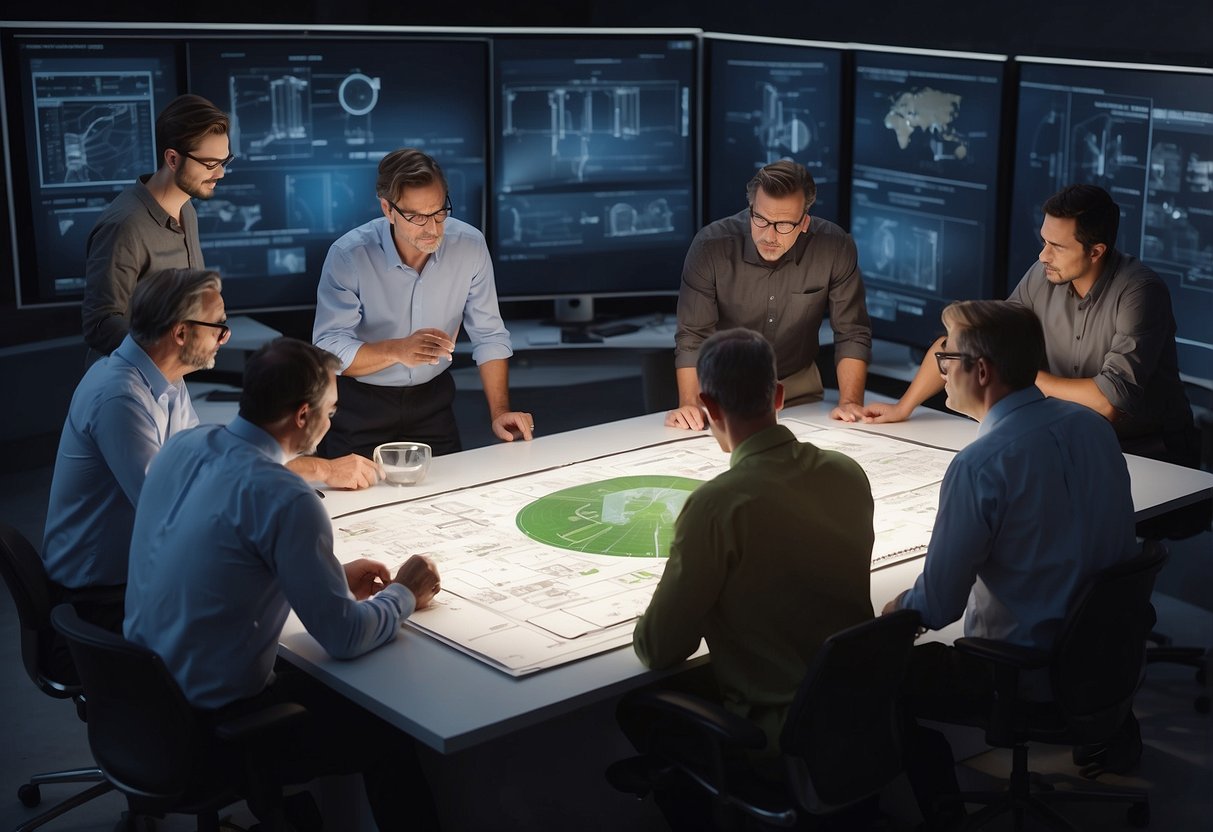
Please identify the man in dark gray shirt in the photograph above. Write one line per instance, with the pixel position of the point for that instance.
(151, 226)
(773, 269)
(1109, 332)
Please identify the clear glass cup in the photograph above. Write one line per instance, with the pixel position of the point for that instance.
(404, 463)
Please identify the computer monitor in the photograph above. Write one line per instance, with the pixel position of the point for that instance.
(768, 99)
(594, 164)
(1144, 134)
(79, 127)
(310, 120)
(925, 185)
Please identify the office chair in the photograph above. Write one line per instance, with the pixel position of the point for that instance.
(47, 664)
(840, 745)
(1095, 667)
(154, 747)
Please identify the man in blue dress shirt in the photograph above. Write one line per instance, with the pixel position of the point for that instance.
(1028, 512)
(227, 541)
(392, 296)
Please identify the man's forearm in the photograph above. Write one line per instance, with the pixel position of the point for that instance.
(852, 376)
(688, 386)
(1082, 391)
(495, 378)
(371, 358)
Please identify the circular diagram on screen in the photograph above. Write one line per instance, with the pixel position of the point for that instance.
(629, 517)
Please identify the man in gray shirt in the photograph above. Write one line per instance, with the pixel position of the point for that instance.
(151, 226)
(1109, 332)
(773, 269)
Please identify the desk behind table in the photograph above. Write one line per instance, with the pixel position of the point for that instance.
(451, 701)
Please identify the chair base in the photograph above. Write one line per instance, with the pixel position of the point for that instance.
(66, 806)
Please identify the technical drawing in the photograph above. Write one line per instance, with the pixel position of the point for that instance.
(215, 215)
(358, 94)
(93, 128)
(271, 113)
(625, 221)
(590, 221)
(906, 253)
(781, 129)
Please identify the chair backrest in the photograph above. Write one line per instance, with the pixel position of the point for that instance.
(1100, 651)
(25, 576)
(141, 729)
(842, 738)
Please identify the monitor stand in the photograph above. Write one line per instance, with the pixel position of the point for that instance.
(575, 310)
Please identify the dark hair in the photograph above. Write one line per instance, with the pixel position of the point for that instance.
(736, 368)
(163, 299)
(783, 178)
(1096, 215)
(186, 121)
(282, 375)
(1006, 334)
(407, 167)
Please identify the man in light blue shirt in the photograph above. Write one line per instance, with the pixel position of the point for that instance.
(393, 294)
(227, 541)
(1029, 511)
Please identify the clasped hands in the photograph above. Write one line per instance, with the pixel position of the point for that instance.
(418, 575)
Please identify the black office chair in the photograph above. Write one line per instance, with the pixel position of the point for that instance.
(1095, 667)
(47, 664)
(158, 750)
(840, 745)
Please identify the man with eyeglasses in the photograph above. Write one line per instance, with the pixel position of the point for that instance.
(393, 294)
(151, 226)
(774, 269)
(1028, 513)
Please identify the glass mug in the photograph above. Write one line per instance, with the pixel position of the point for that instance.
(404, 463)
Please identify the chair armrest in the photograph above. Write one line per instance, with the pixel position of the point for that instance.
(1000, 652)
(710, 717)
(285, 716)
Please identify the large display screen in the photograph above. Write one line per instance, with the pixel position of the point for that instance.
(1146, 136)
(924, 191)
(311, 118)
(764, 102)
(80, 127)
(594, 164)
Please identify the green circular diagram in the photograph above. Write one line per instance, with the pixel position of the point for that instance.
(630, 517)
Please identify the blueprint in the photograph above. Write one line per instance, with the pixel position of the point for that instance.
(556, 565)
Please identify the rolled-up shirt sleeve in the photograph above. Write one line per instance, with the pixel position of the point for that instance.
(482, 315)
(698, 314)
(338, 307)
(848, 306)
(315, 586)
(1142, 330)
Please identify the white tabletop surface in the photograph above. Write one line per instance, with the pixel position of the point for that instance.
(451, 701)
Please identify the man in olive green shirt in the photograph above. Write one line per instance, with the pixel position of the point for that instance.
(772, 556)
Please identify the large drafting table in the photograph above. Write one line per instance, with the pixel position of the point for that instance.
(452, 701)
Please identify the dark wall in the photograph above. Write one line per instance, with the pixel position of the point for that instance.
(1166, 31)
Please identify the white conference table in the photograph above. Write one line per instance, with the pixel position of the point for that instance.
(451, 701)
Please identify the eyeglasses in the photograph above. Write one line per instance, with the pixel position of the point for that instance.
(781, 227)
(941, 357)
(210, 164)
(225, 331)
(422, 219)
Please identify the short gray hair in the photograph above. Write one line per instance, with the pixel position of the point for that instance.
(166, 298)
(736, 368)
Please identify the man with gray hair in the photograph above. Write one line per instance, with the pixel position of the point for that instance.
(774, 269)
(769, 558)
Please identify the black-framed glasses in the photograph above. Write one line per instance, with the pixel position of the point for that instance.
(421, 219)
(210, 164)
(781, 227)
(941, 357)
(225, 331)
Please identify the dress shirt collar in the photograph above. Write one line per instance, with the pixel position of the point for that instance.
(749, 251)
(1105, 277)
(1008, 404)
(256, 436)
(394, 260)
(760, 443)
(133, 354)
(154, 208)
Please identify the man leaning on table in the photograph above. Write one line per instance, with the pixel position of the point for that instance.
(1028, 512)
(227, 542)
(392, 296)
(774, 269)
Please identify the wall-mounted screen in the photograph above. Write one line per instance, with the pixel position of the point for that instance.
(311, 118)
(594, 164)
(1146, 136)
(763, 102)
(80, 127)
(924, 190)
